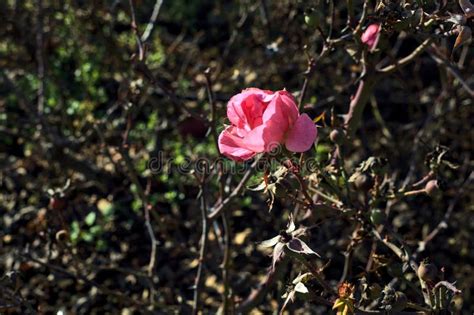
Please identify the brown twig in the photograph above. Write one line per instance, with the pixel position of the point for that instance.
(133, 24)
(226, 294)
(406, 60)
(146, 207)
(40, 56)
(317, 275)
(142, 68)
(151, 22)
(212, 103)
(353, 117)
(257, 295)
(203, 249)
(440, 60)
(443, 224)
(219, 206)
(308, 73)
(121, 296)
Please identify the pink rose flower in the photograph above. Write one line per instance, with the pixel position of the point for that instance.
(371, 36)
(260, 121)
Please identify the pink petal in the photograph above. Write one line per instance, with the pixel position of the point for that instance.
(371, 36)
(264, 138)
(245, 109)
(274, 112)
(232, 146)
(235, 112)
(302, 135)
(289, 106)
(254, 139)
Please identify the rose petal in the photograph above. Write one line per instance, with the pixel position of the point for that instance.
(302, 135)
(245, 108)
(290, 109)
(282, 110)
(232, 146)
(264, 138)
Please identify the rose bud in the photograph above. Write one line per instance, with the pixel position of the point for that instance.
(363, 182)
(427, 272)
(371, 36)
(337, 136)
(431, 187)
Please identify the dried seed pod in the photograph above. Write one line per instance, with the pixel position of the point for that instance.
(377, 216)
(57, 203)
(427, 272)
(400, 302)
(364, 182)
(431, 187)
(337, 136)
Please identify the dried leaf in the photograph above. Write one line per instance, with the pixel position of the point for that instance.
(352, 50)
(302, 278)
(271, 242)
(298, 246)
(260, 187)
(290, 296)
(271, 190)
(301, 288)
(320, 117)
(277, 253)
(291, 225)
(464, 36)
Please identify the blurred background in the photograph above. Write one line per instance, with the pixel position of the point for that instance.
(72, 229)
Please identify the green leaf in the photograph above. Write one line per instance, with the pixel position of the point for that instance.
(90, 218)
(75, 231)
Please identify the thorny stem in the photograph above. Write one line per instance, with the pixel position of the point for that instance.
(141, 53)
(202, 252)
(349, 253)
(353, 117)
(308, 73)
(77, 276)
(219, 206)
(142, 68)
(304, 189)
(225, 217)
(40, 56)
(402, 254)
(226, 260)
(406, 60)
(444, 222)
(439, 59)
(151, 23)
(358, 29)
(317, 275)
(146, 206)
(257, 295)
(350, 12)
(212, 103)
